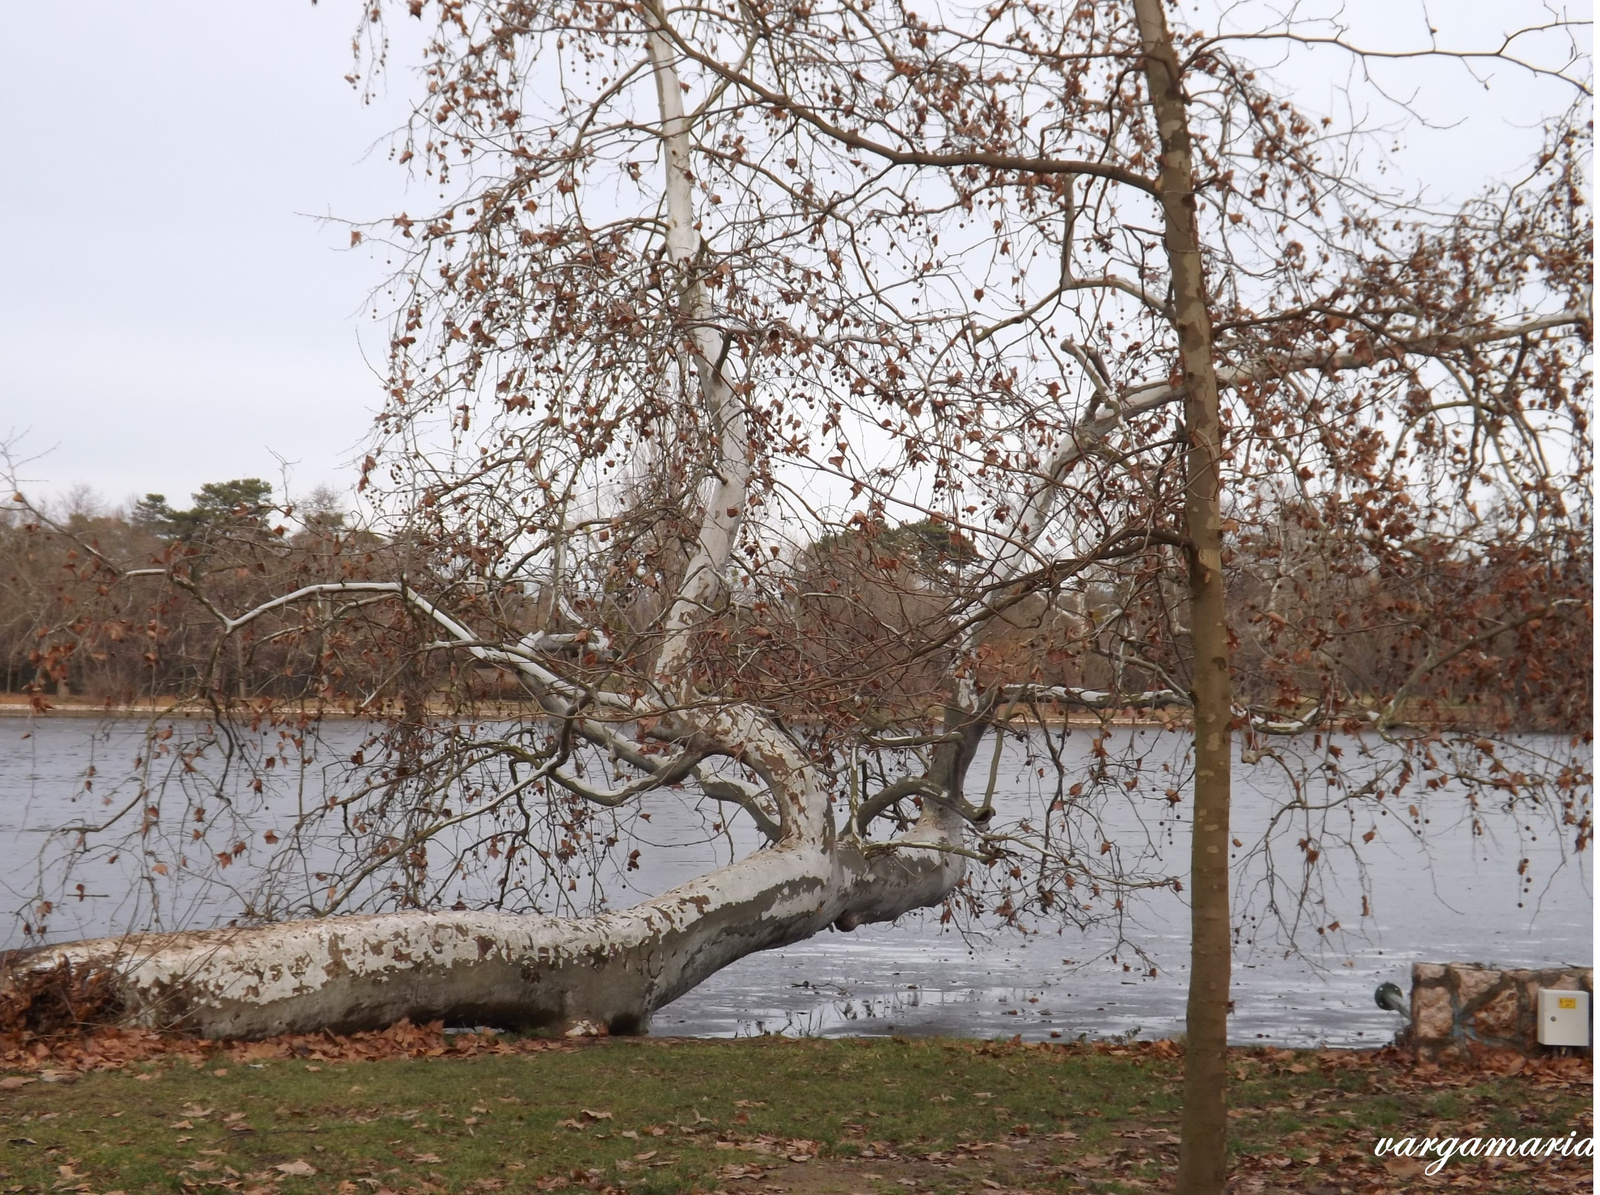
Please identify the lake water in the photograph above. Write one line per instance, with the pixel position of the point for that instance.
(1452, 896)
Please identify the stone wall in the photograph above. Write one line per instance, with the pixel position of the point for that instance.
(1465, 1009)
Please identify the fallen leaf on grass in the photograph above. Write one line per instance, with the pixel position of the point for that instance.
(12, 1082)
(297, 1168)
(181, 1124)
(1403, 1167)
(430, 1159)
(588, 1114)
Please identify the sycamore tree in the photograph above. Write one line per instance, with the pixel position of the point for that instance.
(790, 400)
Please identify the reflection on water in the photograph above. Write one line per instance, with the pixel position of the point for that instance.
(1456, 896)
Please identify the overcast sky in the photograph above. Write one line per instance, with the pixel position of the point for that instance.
(175, 313)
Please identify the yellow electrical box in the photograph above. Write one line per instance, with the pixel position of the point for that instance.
(1563, 1017)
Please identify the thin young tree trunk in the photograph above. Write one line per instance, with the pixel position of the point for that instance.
(1202, 1157)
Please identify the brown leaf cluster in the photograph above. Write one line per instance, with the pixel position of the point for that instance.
(107, 1047)
(55, 1000)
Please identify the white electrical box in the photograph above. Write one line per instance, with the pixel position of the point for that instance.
(1563, 1017)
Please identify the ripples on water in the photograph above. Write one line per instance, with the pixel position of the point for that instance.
(1456, 899)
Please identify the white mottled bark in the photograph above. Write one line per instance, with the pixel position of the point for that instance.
(510, 970)
(725, 511)
(528, 971)
(617, 969)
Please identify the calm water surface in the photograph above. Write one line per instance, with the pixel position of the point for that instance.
(1454, 897)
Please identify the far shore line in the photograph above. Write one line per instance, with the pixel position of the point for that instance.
(21, 706)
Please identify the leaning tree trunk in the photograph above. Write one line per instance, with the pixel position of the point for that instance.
(525, 971)
(618, 968)
(1202, 1156)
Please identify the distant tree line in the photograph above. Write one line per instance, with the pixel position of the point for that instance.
(864, 614)
(68, 630)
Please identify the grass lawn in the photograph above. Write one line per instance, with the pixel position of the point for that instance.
(754, 1116)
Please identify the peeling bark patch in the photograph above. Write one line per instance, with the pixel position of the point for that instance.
(335, 966)
(497, 968)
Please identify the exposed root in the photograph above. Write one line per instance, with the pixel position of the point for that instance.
(59, 1000)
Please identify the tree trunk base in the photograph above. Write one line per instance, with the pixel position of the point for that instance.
(512, 971)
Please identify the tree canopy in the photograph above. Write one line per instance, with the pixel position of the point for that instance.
(217, 505)
(787, 401)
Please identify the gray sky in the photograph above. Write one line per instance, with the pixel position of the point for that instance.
(174, 313)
